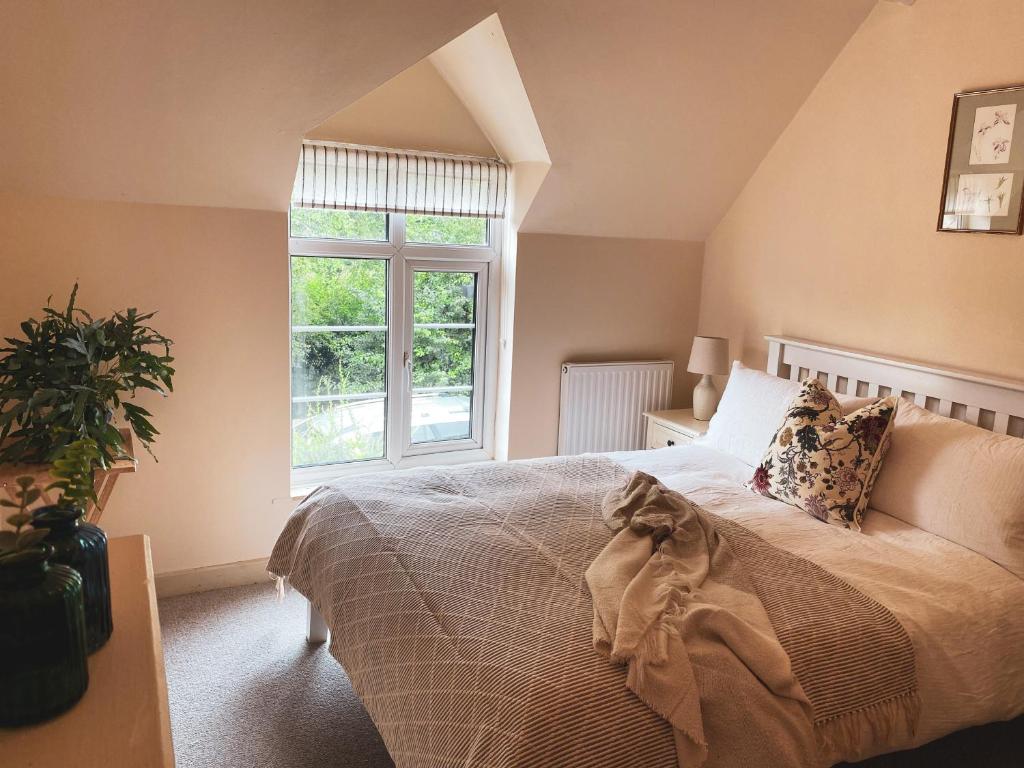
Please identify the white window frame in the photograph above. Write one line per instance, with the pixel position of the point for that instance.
(404, 258)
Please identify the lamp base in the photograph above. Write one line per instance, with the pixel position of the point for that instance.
(705, 399)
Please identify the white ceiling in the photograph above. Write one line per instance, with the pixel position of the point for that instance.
(654, 112)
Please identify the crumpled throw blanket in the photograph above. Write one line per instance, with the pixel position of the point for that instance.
(705, 613)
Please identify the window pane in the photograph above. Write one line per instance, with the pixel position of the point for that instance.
(444, 331)
(332, 291)
(437, 417)
(444, 297)
(445, 230)
(339, 354)
(442, 357)
(338, 225)
(333, 432)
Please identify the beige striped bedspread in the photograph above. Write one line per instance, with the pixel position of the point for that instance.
(457, 604)
(705, 613)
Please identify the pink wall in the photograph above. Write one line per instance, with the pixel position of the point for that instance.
(834, 237)
(589, 299)
(219, 280)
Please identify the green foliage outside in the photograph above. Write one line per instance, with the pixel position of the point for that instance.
(368, 225)
(328, 291)
(338, 225)
(353, 292)
(443, 357)
(449, 230)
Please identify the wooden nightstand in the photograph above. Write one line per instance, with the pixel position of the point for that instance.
(668, 428)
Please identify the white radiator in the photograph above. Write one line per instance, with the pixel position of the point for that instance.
(603, 404)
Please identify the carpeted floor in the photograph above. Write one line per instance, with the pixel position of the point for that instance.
(246, 691)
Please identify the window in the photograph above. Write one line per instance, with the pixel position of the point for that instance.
(338, 225)
(339, 359)
(444, 305)
(392, 344)
(446, 230)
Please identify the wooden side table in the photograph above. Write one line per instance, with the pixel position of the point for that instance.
(668, 428)
(123, 719)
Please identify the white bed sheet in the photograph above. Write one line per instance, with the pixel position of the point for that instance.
(964, 613)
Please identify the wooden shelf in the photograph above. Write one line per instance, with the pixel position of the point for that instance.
(123, 720)
(105, 480)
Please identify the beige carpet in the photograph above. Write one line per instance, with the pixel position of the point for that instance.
(247, 691)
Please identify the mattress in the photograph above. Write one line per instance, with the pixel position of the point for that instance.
(403, 589)
(964, 613)
(457, 605)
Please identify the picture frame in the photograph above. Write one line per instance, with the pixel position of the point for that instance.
(983, 183)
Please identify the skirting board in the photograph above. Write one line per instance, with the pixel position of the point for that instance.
(212, 577)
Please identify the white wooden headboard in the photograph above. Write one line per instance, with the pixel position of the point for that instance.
(988, 402)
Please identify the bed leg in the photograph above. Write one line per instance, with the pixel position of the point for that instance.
(316, 627)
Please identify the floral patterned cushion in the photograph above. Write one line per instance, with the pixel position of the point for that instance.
(823, 462)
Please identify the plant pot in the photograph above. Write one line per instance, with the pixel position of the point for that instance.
(43, 664)
(82, 546)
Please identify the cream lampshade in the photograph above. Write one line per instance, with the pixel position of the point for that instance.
(708, 357)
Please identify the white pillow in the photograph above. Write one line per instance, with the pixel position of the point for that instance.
(753, 407)
(958, 481)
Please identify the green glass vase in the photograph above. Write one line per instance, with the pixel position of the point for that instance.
(82, 546)
(43, 661)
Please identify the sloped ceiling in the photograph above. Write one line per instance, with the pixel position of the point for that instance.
(654, 112)
(193, 102)
(413, 110)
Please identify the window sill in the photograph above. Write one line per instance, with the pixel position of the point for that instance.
(307, 479)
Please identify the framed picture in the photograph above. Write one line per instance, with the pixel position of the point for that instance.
(982, 187)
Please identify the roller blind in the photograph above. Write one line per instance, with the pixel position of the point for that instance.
(356, 178)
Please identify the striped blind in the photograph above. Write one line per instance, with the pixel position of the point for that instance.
(358, 178)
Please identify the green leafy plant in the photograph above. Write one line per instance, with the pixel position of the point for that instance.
(74, 474)
(18, 545)
(74, 477)
(71, 376)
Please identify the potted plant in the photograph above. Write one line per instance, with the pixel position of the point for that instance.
(75, 543)
(73, 376)
(42, 622)
(65, 384)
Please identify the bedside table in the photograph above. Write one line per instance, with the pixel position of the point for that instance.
(668, 428)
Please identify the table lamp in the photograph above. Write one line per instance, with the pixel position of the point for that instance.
(709, 356)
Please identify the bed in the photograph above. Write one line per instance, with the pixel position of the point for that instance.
(456, 598)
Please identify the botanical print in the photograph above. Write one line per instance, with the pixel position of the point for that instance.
(993, 134)
(823, 462)
(983, 194)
